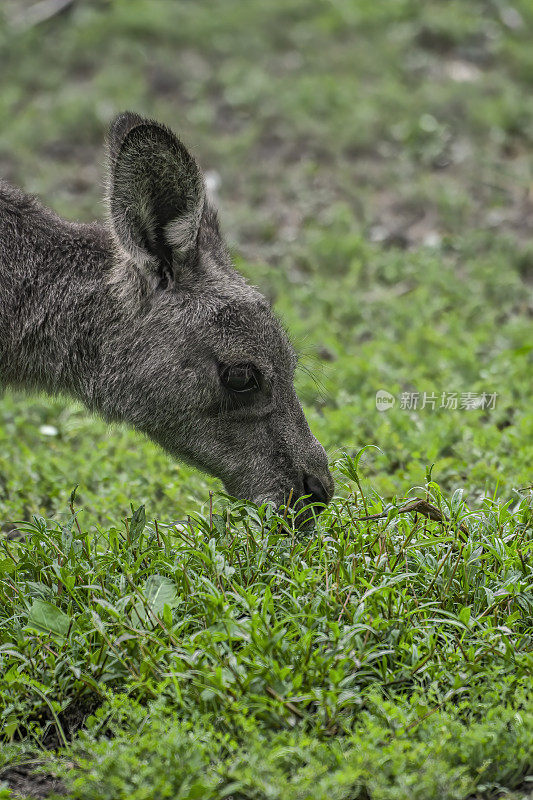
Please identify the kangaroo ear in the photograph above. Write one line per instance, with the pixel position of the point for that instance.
(156, 195)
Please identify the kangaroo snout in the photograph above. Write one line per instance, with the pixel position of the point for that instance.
(319, 490)
(317, 487)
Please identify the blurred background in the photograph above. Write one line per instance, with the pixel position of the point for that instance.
(374, 174)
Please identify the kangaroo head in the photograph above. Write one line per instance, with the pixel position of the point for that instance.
(199, 362)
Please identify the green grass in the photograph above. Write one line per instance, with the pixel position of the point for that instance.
(375, 180)
(258, 638)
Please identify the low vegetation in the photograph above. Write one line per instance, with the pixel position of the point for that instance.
(233, 640)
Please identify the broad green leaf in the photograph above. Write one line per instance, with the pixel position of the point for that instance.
(159, 592)
(47, 618)
(138, 523)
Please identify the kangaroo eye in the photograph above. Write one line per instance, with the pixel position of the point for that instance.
(241, 378)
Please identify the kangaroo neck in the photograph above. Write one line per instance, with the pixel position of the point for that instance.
(54, 299)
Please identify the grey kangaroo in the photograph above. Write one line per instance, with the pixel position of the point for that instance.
(146, 321)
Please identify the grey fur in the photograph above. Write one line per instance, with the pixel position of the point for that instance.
(137, 320)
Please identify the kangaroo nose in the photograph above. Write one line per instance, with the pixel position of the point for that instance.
(314, 487)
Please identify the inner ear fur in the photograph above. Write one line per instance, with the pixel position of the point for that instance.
(156, 193)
